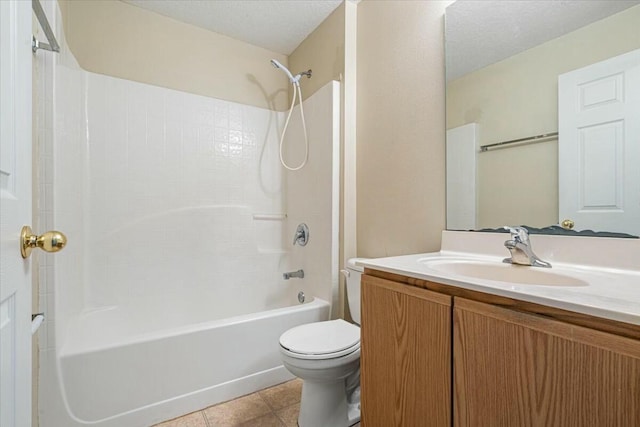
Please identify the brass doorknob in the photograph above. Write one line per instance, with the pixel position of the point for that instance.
(567, 224)
(51, 241)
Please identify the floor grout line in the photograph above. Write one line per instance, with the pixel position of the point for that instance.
(282, 409)
(265, 400)
(206, 419)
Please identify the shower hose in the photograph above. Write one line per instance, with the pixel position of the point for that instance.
(296, 92)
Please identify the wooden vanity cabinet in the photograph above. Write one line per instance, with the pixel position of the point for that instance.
(406, 355)
(462, 358)
(518, 369)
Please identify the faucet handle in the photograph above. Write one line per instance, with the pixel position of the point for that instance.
(302, 235)
(520, 234)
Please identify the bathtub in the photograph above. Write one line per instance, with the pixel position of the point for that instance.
(126, 367)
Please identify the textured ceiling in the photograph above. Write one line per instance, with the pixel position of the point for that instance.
(277, 25)
(481, 32)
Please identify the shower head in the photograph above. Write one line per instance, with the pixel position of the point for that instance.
(287, 72)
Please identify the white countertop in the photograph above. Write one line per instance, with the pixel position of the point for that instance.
(612, 289)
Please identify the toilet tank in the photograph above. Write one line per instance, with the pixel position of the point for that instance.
(353, 274)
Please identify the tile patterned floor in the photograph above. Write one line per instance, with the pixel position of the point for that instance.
(273, 407)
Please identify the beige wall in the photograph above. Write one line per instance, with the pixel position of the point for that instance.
(517, 97)
(323, 52)
(400, 127)
(114, 38)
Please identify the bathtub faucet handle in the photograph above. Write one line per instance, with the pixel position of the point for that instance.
(302, 235)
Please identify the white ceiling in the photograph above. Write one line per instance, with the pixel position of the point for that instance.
(277, 25)
(481, 32)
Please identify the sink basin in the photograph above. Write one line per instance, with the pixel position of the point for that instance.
(501, 272)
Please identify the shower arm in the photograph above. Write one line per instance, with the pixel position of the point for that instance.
(305, 73)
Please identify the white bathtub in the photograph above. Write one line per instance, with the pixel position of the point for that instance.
(121, 367)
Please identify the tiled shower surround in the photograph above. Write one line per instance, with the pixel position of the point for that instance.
(174, 183)
(162, 195)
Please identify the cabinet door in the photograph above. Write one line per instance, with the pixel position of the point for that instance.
(517, 369)
(405, 356)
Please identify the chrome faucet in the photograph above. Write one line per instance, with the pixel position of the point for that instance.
(299, 274)
(520, 248)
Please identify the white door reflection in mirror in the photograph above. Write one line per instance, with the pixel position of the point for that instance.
(461, 167)
(599, 145)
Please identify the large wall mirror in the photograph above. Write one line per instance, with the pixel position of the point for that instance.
(543, 114)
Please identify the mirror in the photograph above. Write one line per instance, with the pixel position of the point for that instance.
(503, 60)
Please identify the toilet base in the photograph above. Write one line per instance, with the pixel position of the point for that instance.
(325, 404)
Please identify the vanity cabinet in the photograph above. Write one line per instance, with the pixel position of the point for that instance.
(436, 355)
(518, 369)
(406, 355)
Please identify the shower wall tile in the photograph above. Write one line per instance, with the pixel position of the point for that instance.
(174, 180)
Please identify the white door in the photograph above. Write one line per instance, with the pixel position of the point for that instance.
(15, 211)
(599, 145)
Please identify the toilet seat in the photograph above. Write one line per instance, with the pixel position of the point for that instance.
(321, 340)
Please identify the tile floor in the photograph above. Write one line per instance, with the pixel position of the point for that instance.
(277, 406)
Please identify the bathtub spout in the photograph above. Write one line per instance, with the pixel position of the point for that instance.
(299, 274)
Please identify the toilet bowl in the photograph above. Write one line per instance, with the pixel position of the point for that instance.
(326, 356)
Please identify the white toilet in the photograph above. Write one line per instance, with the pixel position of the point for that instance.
(326, 356)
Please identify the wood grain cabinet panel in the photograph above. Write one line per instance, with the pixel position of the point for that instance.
(406, 355)
(518, 369)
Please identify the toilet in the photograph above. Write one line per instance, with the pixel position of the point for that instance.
(326, 356)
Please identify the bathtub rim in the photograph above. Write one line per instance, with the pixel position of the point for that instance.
(65, 351)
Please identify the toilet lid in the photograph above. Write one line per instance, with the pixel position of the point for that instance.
(321, 337)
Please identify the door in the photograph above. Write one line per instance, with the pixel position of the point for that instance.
(15, 211)
(599, 145)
